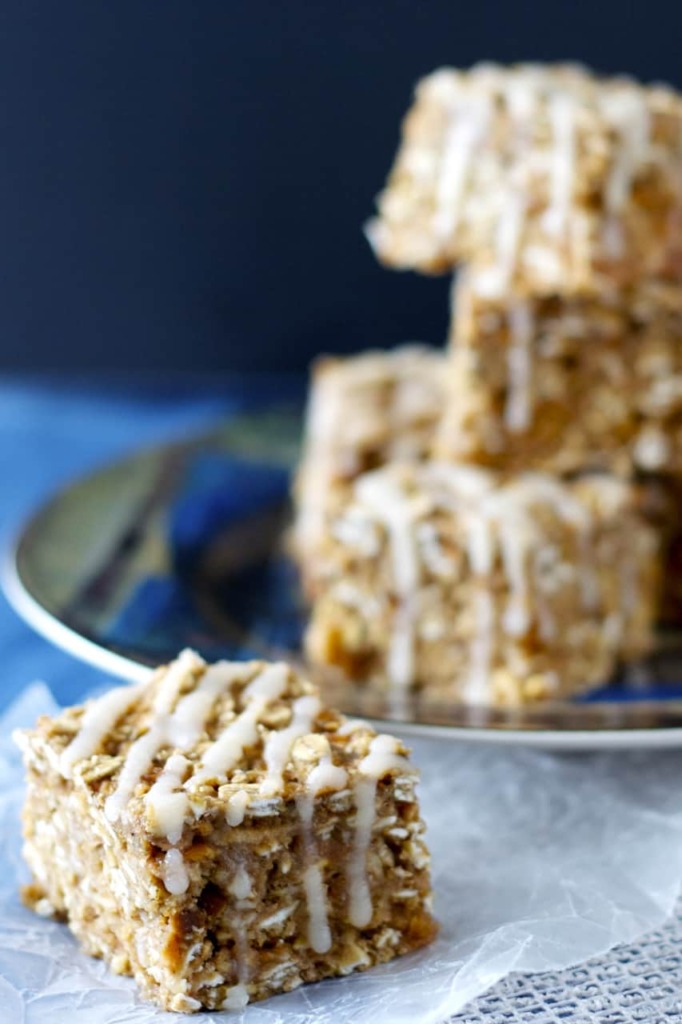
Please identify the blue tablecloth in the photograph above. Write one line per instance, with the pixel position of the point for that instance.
(51, 432)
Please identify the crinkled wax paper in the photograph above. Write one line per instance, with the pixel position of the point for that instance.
(539, 860)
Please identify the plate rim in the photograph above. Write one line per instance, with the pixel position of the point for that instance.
(29, 609)
(125, 668)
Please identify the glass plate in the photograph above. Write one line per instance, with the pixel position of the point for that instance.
(183, 545)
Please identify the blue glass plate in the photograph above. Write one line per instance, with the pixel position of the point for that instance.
(182, 545)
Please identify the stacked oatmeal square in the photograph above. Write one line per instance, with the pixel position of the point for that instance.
(515, 552)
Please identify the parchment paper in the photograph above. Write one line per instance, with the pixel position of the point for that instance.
(540, 860)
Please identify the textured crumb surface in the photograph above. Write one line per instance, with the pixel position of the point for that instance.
(222, 837)
(364, 411)
(526, 825)
(547, 176)
(660, 502)
(479, 590)
(566, 385)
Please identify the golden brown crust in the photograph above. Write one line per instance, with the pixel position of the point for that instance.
(566, 385)
(238, 902)
(363, 412)
(547, 176)
(522, 591)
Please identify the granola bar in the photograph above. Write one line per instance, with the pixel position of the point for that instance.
(566, 384)
(547, 176)
(221, 836)
(363, 412)
(471, 589)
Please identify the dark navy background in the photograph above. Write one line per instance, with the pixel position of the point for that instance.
(182, 184)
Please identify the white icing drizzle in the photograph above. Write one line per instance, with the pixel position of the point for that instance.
(174, 873)
(278, 744)
(546, 621)
(166, 806)
(504, 520)
(138, 759)
(179, 730)
(481, 554)
(509, 233)
(98, 719)
(465, 483)
(167, 800)
(237, 998)
(141, 753)
(352, 725)
(469, 123)
(355, 531)
(386, 499)
(515, 542)
(242, 732)
(359, 895)
(480, 654)
(194, 708)
(323, 415)
(319, 933)
(173, 679)
(561, 110)
(401, 653)
(505, 517)
(627, 111)
(236, 807)
(241, 885)
(225, 752)
(567, 96)
(479, 545)
(390, 395)
(517, 413)
(324, 776)
(383, 757)
(432, 553)
(522, 95)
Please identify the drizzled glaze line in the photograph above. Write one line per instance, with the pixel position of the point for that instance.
(469, 124)
(562, 120)
(386, 499)
(509, 231)
(97, 722)
(359, 895)
(242, 731)
(319, 933)
(173, 678)
(628, 114)
(278, 744)
(470, 104)
(481, 650)
(325, 776)
(498, 521)
(165, 805)
(517, 413)
(174, 873)
(383, 757)
(178, 729)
